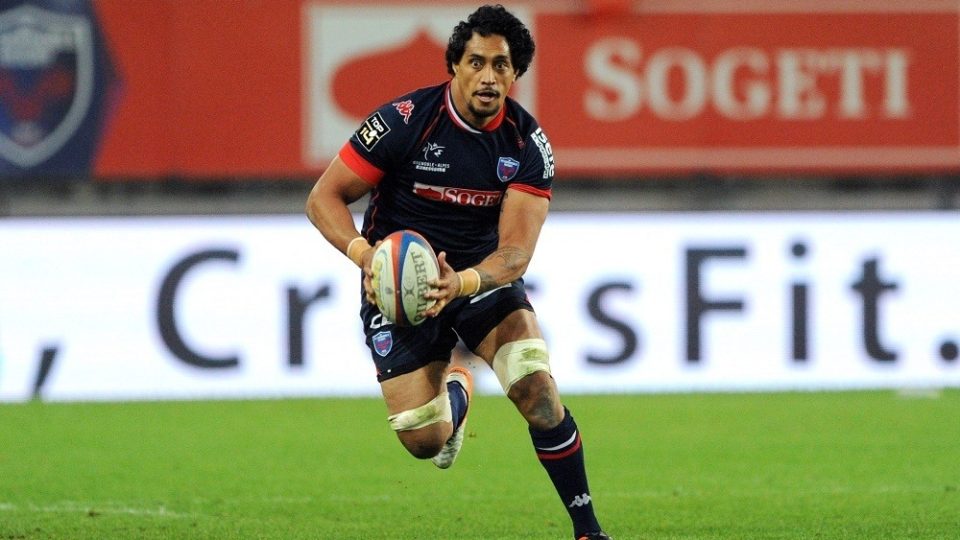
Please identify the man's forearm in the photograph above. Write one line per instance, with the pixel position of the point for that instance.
(503, 266)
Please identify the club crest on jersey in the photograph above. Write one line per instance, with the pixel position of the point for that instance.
(372, 130)
(405, 108)
(383, 342)
(47, 81)
(507, 168)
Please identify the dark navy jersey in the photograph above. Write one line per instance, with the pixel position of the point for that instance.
(434, 173)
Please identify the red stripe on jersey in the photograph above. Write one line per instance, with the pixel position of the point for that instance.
(358, 164)
(526, 188)
(497, 120)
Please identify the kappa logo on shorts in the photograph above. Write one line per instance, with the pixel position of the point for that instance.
(372, 130)
(507, 168)
(383, 342)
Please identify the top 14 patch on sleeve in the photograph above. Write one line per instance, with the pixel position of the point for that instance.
(372, 130)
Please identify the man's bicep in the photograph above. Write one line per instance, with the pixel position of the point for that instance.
(341, 181)
(521, 218)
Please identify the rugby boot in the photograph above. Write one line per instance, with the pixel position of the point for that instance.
(594, 536)
(451, 448)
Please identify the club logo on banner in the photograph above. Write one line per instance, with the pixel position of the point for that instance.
(49, 92)
(46, 81)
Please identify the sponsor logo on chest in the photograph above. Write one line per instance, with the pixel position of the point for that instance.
(457, 195)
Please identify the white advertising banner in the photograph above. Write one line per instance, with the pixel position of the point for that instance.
(231, 307)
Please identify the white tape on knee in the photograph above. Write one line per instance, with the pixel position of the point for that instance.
(517, 359)
(436, 410)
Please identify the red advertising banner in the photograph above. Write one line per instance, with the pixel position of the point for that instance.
(752, 85)
(209, 88)
(264, 89)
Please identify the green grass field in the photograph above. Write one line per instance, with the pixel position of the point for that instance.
(868, 465)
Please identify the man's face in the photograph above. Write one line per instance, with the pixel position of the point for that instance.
(483, 78)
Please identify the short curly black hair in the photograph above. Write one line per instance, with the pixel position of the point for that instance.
(488, 20)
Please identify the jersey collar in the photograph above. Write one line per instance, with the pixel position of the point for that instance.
(458, 120)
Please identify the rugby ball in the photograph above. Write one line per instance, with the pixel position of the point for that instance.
(402, 266)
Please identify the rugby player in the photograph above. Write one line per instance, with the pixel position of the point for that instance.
(468, 168)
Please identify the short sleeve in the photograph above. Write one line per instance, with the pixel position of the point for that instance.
(537, 167)
(381, 141)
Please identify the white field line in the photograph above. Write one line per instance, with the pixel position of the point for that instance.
(683, 492)
(70, 507)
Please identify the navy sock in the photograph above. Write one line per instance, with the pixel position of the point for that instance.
(458, 402)
(560, 451)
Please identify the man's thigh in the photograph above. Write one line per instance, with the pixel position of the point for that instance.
(521, 324)
(495, 317)
(413, 389)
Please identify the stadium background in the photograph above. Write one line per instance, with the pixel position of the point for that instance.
(753, 198)
(765, 181)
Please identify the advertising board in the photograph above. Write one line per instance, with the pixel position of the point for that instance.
(127, 90)
(182, 308)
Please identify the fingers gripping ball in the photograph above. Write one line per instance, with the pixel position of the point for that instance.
(402, 266)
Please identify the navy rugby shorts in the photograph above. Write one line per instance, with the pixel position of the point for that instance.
(397, 350)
